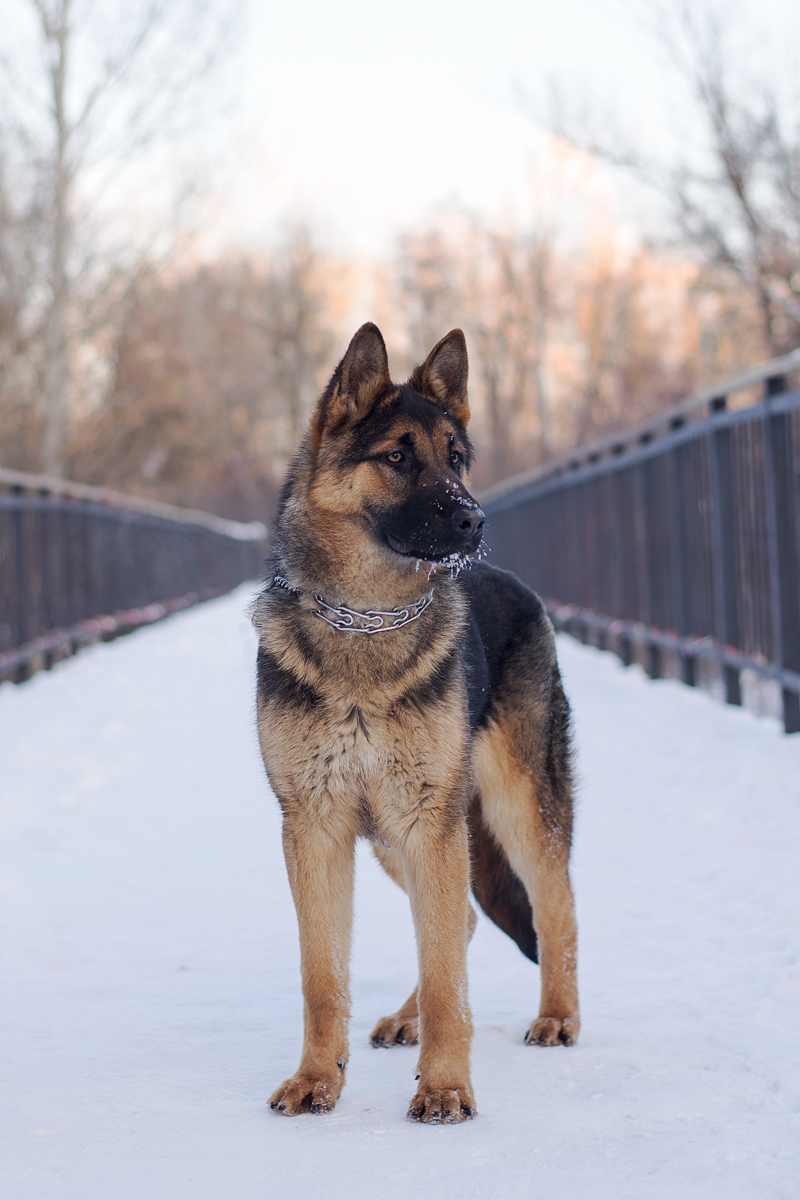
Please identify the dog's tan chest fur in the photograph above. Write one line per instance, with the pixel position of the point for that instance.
(378, 768)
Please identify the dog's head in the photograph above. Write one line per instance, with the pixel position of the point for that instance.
(388, 462)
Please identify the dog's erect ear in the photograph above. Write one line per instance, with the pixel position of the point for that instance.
(443, 375)
(357, 382)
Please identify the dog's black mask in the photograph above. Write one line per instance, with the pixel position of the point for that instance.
(434, 526)
(430, 515)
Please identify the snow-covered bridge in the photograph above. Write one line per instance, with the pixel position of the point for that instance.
(151, 996)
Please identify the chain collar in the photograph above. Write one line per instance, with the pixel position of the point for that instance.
(351, 621)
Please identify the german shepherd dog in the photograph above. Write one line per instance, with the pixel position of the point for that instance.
(422, 709)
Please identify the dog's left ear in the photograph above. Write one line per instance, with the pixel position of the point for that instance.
(361, 376)
(443, 375)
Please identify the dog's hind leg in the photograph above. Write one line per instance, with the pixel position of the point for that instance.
(320, 863)
(401, 1028)
(533, 825)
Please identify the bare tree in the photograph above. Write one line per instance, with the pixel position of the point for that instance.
(293, 321)
(89, 90)
(21, 230)
(513, 332)
(566, 342)
(501, 288)
(431, 285)
(734, 186)
(636, 330)
(215, 371)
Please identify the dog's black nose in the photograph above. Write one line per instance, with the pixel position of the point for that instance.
(469, 521)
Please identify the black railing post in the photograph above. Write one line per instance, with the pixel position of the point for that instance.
(624, 646)
(720, 477)
(653, 664)
(573, 563)
(688, 524)
(676, 557)
(49, 610)
(22, 579)
(783, 553)
(67, 556)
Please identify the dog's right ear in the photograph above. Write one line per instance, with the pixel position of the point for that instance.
(443, 375)
(356, 383)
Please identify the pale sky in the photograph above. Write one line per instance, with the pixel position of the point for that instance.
(365, 117)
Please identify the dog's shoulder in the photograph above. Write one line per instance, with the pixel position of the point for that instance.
(505, 611)
(500, 601)
(505, 617)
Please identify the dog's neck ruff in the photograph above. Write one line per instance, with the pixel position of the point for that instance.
(351, 621)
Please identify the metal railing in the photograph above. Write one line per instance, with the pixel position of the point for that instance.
(80, 564)
(679, 535)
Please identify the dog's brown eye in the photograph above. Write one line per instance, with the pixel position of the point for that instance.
(456, 458)
(394, 456)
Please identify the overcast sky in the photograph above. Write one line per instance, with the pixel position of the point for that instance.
(365, 117)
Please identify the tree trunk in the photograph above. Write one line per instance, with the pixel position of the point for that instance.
(55, 371)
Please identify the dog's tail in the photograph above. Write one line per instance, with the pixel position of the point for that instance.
(497, 888)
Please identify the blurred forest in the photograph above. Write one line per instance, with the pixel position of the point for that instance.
(189, 379)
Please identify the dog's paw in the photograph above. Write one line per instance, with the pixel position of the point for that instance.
(396, 1031)
(442, 1106)
(306, 1094)
(553, 1031)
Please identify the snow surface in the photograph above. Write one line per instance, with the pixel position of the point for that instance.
(151, 999)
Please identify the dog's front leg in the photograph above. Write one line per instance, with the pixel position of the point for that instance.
(437, 875)
(319, 860)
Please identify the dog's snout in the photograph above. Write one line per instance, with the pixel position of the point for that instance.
(469, 520)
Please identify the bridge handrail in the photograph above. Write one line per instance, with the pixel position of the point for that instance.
(678, 541)
(664, 422)
(249, 531)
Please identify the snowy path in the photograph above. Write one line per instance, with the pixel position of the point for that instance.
(151, 994)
